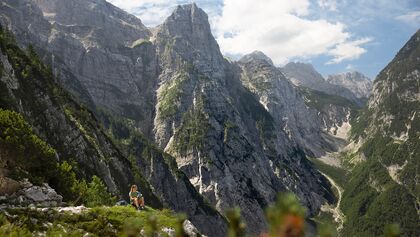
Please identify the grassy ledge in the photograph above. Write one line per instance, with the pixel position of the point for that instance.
(98, 221)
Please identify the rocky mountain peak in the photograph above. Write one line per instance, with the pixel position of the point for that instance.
(356, 82)
(257, 56)
(301, 66)
(356, 75)
(399, 81)
(303, 74)
(186, 33)
(350, 76)
(188, 21)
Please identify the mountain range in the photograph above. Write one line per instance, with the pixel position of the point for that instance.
(163, 108)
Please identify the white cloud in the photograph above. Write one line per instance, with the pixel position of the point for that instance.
(154, 15)
(348, 50)
(154, 12)
(283, 30)
(130, 4)
(151, 12)
(412, 17)
(349, 67)
(328, 4)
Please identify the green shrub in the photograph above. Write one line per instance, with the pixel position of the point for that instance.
(192, 132)
(97, 194)
(236, 225)
(170, 94)
(28, 156)
(286, 216)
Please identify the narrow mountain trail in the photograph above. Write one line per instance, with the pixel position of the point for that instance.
(335, 211)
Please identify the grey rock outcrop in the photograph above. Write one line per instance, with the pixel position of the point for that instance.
(356, 82)
(173, 187)
(190, 229)
(304, 74)
(30, 194)
(256, 56)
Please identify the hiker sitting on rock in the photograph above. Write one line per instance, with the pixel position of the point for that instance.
(136, 198)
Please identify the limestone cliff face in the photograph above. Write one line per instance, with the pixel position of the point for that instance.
(285, 104)
(335, 100)
(80, 39)
(173, 187)
(224, 139)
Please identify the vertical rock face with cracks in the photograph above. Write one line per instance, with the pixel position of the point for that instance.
(100, 53)
(335, 102)
(224, 139)
(285, 104)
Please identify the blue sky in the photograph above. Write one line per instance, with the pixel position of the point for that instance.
(333, 35)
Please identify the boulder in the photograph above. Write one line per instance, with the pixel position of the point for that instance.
(28, 194)
(191, 230)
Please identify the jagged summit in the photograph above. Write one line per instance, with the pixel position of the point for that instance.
(187, 33)
(350, 75)
(187, 20)
(307, 66)
(189, 7)
(356, 82)
(303, 74)
(256, 55)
